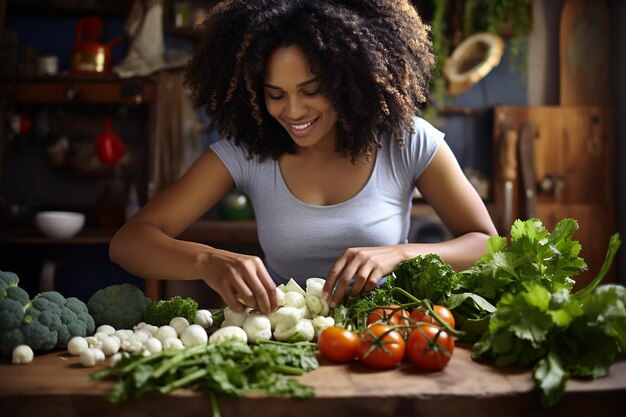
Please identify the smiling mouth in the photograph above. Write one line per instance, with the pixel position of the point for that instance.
(302, 129)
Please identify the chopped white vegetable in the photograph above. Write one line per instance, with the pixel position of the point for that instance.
(165, 332)
(110, 346)
(257, 327)
(91, 357)
(293, 286)
(179, 324)
(153, 345)
(203, 318)
(76, 345)
(303, 329)
(288, 316)
(194, 335)
(320, 323)
(107, 329)
(280, 296)
(314, 286)
(173, 343)
(294, 299)
(93, 342)
(317, 305)
(232, 318)
(22, 355)
(228, 333)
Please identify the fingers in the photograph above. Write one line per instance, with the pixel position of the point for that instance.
(255, 287)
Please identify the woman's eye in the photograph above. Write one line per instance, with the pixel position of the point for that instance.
(311, 92)
(275, 96)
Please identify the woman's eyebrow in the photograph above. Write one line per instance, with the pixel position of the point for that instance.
(302, 84)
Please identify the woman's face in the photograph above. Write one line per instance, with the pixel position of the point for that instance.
(293, 97)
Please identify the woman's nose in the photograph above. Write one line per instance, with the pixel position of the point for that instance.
(295, 109)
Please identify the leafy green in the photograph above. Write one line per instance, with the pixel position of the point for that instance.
(534, 255)
(426, 277)
(231, 368)
(161, 312)
(558, 333)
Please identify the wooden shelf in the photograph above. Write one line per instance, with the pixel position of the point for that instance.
(79, 89)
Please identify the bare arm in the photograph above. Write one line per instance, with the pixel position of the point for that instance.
(457, 204)
(147, 245)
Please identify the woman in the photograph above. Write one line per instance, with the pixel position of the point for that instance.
(317, 101)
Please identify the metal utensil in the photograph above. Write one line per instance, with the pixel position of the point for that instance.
(527, 159)
(508, 166)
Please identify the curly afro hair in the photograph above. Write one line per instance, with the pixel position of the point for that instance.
(373, 59)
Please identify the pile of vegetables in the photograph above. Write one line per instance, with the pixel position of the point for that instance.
(516, 304)
(45, 322)
(301, 316)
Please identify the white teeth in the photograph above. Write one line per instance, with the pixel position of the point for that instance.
(301, 127)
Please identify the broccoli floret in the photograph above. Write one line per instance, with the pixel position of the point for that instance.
(7, 280)
(121, 306)
(159, 313)
(76, 321)
(46, 322)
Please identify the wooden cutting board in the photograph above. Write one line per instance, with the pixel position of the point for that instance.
(584, 49)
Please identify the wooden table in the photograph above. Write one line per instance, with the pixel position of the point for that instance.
(56, 384)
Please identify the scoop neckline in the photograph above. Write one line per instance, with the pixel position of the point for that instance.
(355, 197)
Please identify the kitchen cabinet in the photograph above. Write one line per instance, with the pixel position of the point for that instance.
(574, 170)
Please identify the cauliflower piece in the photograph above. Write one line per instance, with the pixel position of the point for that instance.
(76, 345)
(289, 316)
(121, 306)
(320, 323)
(106, 329)
(228, 333)
(91, 357)
(153, 345)
(166, 332)
(232, 318)
(203, 318)
(314, 286)
(179, 324)
(302, 331)
(172, 343)
(110, 346)
(257, 327)
(280, 296)
(22, 355)
(194, 335)
(317, 305)
(294, 299)
(93, 342)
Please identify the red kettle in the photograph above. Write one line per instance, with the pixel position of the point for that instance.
(89, 55)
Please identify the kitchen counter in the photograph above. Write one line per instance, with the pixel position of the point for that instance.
(56, 384)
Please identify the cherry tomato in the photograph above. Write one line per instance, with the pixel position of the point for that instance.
(381, 347)
(420, 314)
(429, 347)
(392, 314)
(338, 344)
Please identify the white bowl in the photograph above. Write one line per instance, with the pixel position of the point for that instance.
(60, 224)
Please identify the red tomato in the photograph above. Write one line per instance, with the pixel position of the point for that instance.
(420, 314)
(429, 347)
(338, 344)
(381, 347)
(392, 314)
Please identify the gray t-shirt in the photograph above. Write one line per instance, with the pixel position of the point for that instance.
(301, 240)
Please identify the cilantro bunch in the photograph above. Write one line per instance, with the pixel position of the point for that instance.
(538, 321)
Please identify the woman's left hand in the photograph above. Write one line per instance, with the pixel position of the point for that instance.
(366, 265)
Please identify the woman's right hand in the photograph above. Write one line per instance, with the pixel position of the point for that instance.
(241, 280)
